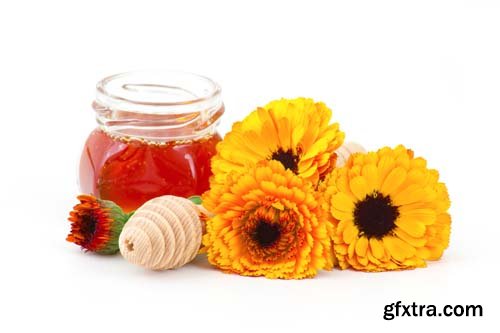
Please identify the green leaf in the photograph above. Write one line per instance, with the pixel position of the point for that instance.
(196, 199)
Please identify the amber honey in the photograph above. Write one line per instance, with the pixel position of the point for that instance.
(156, 134)
(132, 171)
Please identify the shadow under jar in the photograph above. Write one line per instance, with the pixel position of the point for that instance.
(156, 136)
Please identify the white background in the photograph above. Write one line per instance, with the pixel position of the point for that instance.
(422, 73)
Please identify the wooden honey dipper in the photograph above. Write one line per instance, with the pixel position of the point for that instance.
(164, 233)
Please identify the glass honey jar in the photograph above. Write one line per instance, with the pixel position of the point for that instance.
(156, 135)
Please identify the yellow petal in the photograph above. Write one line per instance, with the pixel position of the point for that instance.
(317, 147)
(422, 215)
(297, 134)
(416, 176)
(414, 241)
(423, 253)
(268, 187)
(354, 171)
(340, 215)
(385, 165)
(263, 174)
(306, 173)
(341, 249)
(342, 182)
(393, 180)
(418, 163)
(373, 259)
(363, 261)
(411, 227)
(359, 187)
(398, 249)
(341, 226)
(350, 250)
(284, 133)
(411, 194)
(435, 252)
(370, 173)
(370, 158)
(376, 248)
(350, 233)
(361, 246)
(343, 202)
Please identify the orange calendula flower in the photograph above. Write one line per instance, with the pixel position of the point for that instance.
(389, 211)
(269, 222)
(295, 132)
(96, 224)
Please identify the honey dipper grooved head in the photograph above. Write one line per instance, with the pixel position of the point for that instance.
(164, 233)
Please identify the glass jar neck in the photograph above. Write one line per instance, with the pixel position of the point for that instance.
(158, 105)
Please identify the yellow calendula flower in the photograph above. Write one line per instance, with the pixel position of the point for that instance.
(296, 132)
(268, 222)
(389, 211)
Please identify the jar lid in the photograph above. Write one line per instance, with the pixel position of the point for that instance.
(158, 104)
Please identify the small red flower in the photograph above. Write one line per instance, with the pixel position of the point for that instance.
(96, 224)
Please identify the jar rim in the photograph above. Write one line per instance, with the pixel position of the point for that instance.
(158, 105)
(134, 91)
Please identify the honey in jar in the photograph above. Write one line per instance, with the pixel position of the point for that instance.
(156, 136)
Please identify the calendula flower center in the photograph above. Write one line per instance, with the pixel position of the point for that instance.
(375, 216)
(289, 160)
(266, 234)
(88, 226)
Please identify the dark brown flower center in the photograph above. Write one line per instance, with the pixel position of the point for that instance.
(265, 233)
(375, 215)
(289, 160)
(87, 227)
